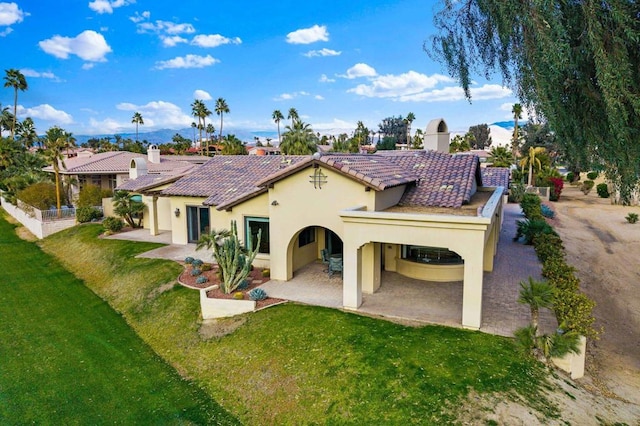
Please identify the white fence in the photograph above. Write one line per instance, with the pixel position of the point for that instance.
(41, 223)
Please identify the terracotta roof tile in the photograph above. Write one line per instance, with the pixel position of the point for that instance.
(117, 162)
(496, 176)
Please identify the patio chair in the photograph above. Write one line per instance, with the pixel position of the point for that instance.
(324, 254)
(335, 265)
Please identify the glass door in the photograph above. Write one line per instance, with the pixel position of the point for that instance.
(197, 223)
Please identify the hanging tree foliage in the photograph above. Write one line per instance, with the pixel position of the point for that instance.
(575, 63)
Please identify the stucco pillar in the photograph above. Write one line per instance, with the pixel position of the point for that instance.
(370, 268)
(472, 284)
(152, 205)
(490, 248)
(352, 283)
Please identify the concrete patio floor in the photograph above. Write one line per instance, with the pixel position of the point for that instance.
(400, 297)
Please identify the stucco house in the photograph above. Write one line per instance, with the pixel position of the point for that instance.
(423, 214)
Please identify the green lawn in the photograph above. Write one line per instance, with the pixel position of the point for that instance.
(295, 364)
(66, 357)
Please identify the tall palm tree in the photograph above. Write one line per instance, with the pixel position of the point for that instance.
(536, 294)
(26, 131)
(6, 119)
(210, 130)
(532, 161)
(14, 78)
(56, 141)
(198, 110)
(299, 140)
(418, 139)
(277, 117)
(410, 118)
(194, 126)
(221, 109)
(293, 116)
(137, 119)
(517, 115)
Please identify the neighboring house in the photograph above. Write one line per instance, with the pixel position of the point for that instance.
(264, 150)
(110, 169)
(423, 214)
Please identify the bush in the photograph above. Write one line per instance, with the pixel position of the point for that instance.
(632, 217)
(257, 294)
(238, 295)
(206, 267)
(603, 190)
(112, 224)
(592, 175)
(530, 205)
(530, 229)
(574, 310)
(570, 177)
(188, 260)
(586, 186)
(556, 188)
(266, 273)
(41, 195)
(516, 193)
(87, 214)
(547, 211)
(92, 195)
(548, 246)
(201, 279)
(197, 263)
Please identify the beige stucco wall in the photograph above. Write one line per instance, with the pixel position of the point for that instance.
(179, 224)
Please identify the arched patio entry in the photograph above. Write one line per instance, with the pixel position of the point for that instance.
(306, 246)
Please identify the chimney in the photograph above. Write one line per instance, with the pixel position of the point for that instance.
(153, 153)
(437, 136)
(137, 167)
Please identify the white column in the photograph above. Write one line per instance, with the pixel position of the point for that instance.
(152, 204)
(352, 284)
(472, 286)
(370, 268)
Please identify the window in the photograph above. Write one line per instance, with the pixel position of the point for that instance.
(307, 236)
(252, 226)
(432, 255)
(197, 223)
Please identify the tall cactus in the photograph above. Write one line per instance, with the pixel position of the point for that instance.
(233, 259)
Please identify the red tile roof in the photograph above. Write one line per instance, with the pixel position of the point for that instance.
(496, 176)
(115, 162)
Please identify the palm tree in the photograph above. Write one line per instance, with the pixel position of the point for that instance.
(194, 126)
(221, 109)
(532, 161)
(14, 78)
(277, 116)
(298, 140)
(26, 131)
(418, 139)
(137, 119)
(517, 115)
(6, 119)
(536, 294)
(198, 109)
(410, 117)
(293, 116)
(500, 156)
(56, 141)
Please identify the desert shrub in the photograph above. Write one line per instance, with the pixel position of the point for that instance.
(632, 217)
(548, 246)
(266, 273)
(592, 175)
(530, 228)
(257, 294)
(112, 224)
(202, 279)
(206, 267)
(243, 285)
(547, 211)
(238, 295)
(557, 184)
(560, 274)
(516, 192)
(41, 195)
(574, 310)
(188, 260)
(87, 214)
(195, 272)
(92, 195)
(586, 186)
(570, 177)
(530, 205)
(603, 190)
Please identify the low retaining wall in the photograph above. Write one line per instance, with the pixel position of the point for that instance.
(573, 363)
(37, 228)
(221, 308)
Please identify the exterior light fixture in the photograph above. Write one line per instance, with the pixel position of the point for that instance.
(177, 212)
(274, 203)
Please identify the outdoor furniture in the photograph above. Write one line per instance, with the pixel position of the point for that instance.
(324, 254)
(335, 264)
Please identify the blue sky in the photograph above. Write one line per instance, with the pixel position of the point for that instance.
(91, 65)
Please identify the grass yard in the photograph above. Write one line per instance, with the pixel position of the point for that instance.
(294, 364)
(66, 357)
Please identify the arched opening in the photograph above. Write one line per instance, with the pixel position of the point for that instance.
(313, 245)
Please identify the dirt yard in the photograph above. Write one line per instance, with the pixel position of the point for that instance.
(605, 249)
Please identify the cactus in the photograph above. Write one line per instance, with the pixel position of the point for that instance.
(188, 260)
(197, 263)
(201, 279)
(257, 294)
(195, 272)
(243, 285)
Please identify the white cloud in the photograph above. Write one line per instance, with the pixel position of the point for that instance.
(202, 95)
(308, 35)
(325, 79)
(187, 61)
(213, 40)
(46, 112)
(139, 17)
(319, 97)
(107, 126)
(336, 125)
(360, 70)
(508, 107)
(106, 6)
(158, 113)
(88, 45)
(88, 65)
(289, 96)
(393, 86)
(322, 52)
(172, 40)
(165, 27)
(11, 14)
(455, 93)
(28, 72)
